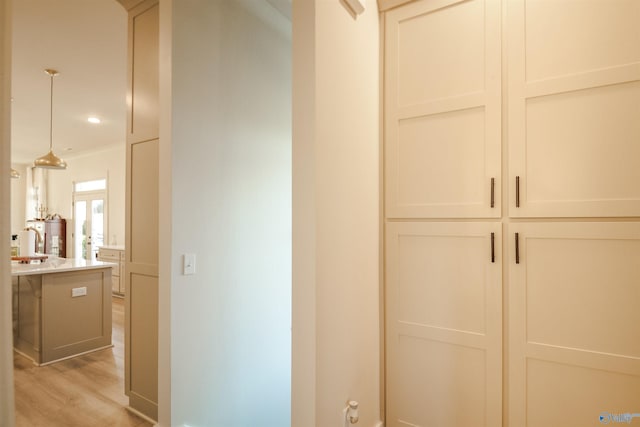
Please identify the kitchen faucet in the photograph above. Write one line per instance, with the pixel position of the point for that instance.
(38, 238)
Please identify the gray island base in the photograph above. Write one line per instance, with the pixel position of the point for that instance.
(61, 308)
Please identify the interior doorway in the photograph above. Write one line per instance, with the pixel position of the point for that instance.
(87, 206)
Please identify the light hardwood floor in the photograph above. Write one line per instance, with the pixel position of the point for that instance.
(84, 391)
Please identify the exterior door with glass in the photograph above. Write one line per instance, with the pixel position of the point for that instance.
(89, 224)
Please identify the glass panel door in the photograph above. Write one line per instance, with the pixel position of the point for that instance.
(90, 224)
(80, 229)
(96, 239)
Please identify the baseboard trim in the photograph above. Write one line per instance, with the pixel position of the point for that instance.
(141, 415)
(50, 362)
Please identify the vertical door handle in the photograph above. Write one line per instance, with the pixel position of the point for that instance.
(517, 249)
(493, 192)
(517, 191)
(493, 247)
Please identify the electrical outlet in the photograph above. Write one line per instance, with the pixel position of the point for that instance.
(78, 292)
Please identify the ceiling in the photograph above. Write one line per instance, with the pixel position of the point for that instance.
(86, 41)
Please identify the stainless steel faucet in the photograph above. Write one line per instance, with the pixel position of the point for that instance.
(38, 239)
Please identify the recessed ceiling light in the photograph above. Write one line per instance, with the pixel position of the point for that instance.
(93, 120)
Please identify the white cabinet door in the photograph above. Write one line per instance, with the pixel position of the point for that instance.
(574, 108)
(574, 322)
(443, 324)
(443, 109)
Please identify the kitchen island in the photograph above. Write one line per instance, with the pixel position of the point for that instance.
(61, 308)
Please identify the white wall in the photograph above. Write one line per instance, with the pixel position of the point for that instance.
(336, 335)
(230, 204)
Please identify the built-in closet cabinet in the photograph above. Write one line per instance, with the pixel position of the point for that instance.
(443, 262)
(574, 152)
(546, 331)
(141, 296)
(444, 323)
(574, 322)
(573, 108)
(442, 110)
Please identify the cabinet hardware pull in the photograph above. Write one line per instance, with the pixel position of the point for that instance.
(517, 249)
(517, 191)
(493, 251)
(493, 186)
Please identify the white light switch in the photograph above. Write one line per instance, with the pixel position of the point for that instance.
(189, 264)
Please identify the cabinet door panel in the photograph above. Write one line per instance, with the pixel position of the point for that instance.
(571, 37)
(442, 109)
(142, 342)
(574, 103)
(443, 384)
(443, 324)
(74, 325)
(434, 155)
(454, 68)
(142, 216)
(561, 394)
(142, 119)
(574, 322)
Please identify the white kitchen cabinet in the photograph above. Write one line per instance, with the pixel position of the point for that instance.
(574, 104)
(115, 255)
(442, 100)
(443, 324)
(574, 291)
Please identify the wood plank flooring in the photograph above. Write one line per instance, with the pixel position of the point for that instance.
(84, 391)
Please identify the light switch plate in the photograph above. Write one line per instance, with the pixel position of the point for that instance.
(189, 264)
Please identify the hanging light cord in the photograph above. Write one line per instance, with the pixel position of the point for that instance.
(50, 160)
(51, 115)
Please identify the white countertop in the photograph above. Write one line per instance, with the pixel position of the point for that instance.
(57, 265)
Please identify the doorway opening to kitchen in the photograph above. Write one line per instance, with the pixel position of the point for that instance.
(89, 218)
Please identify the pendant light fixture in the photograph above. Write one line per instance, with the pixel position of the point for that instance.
(15, 173)
(50, 160)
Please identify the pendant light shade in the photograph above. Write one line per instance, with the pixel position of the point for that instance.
(15, 173)
(50, 160)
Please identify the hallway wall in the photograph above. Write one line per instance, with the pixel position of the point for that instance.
(226, 197)
(336, 313)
